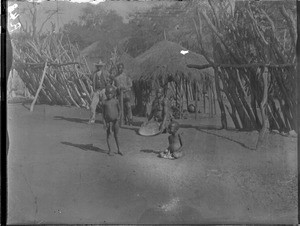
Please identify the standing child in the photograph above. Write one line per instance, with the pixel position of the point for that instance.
(175, 150)
(111, 116)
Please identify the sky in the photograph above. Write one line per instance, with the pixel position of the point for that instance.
(71, 9)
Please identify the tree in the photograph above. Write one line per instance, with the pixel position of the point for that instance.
(96, 24)
(173, 21)
(30, 13)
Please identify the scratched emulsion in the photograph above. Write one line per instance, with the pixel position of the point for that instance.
(59, 171)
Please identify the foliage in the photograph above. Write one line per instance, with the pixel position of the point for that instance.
(166, 22)
(30, 15)
(96, 24)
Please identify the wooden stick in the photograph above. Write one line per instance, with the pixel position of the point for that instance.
(86, 64)
(40, 87)
(187, 94)
(204, 66)
(181, 97)
(85, 90)
(196, 101)
(191, 96)
(210, 101)
(263, 105)
(74, 102)
(204, 102)
(176, 87)
(214, 102)
(49, 64)
(122, 107)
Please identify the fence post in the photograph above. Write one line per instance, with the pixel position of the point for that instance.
(263, 104)
(40, 87)
(196, 99)
(122, 107)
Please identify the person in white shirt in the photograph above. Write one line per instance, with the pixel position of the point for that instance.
(100, 80)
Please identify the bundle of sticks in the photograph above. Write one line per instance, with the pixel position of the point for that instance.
(54, 68)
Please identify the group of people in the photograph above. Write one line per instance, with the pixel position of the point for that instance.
(116, 78)
(110, 88)
(109, 97)
(160, 112)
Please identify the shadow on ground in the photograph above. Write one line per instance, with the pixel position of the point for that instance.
(150, 151)
(208, 130)
(85, 147)
(135, 128)
(77, 120)
(24, 105)
(207, 127)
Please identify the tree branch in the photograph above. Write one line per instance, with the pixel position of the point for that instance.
(22, 25)
(258, 32)
(200, 39)
(49, 64)
(270, 21)
(45, 21)
(204, 66)
(212, 26)
(221, 37)
(214, 12)
(291, 24)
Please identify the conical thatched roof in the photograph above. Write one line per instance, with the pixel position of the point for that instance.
(94, 52)
(164, 59)
(98, 50)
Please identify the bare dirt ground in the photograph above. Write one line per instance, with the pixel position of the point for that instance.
(59, 172)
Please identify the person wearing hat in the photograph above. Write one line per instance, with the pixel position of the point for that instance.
(100, 80)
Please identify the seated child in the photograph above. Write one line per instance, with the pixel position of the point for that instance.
(175, 150)
(111, 117)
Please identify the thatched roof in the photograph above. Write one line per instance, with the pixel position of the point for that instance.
(94, 52)
(164, 59)
(98, 50)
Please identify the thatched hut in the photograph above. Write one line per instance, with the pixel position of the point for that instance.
(164, 65)
(92, 55)
(107, 52)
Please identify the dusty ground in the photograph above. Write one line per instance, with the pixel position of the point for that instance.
(59, 172)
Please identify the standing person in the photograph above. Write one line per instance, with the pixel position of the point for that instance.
(100, 80)
(124, 84)
(112, 76)
(111, 116)
(160, 110)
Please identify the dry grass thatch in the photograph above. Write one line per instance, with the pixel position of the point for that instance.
(165, 59)
(96, 51)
